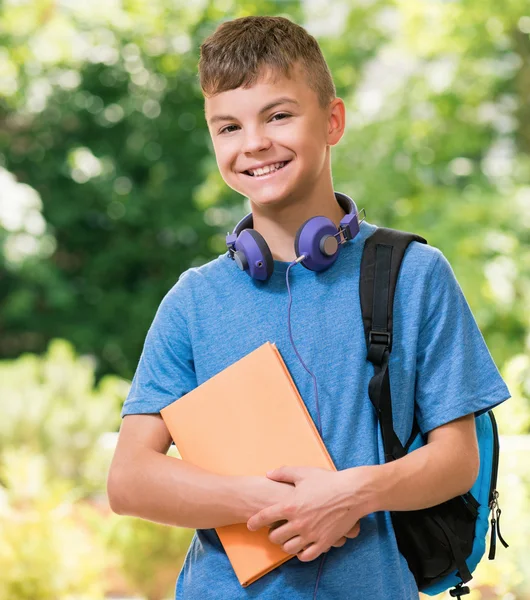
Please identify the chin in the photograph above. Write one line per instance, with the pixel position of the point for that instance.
(262, 196)
(271, 200)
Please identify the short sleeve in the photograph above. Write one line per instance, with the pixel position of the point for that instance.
(165, 371)
(455, 372)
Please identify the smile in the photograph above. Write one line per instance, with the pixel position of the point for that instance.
(267, 175)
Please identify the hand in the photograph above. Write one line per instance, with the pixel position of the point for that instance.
(353, 533)
(259, 492)
(318, 515)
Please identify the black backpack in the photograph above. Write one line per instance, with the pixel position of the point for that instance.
(444, 543)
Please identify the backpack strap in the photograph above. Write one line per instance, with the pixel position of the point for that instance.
(382, 256)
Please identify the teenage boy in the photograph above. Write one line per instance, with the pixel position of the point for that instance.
(273, 115)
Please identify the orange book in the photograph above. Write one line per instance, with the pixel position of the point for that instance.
(247, 420)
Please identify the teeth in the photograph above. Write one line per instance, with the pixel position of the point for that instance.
(267, 169)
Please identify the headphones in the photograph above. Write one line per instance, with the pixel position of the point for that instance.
(316, 244)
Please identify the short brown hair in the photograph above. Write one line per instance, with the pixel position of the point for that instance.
(238, 50)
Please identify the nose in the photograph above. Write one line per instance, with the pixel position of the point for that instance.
(254, 141)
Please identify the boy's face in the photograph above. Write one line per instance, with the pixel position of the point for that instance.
(246, 137)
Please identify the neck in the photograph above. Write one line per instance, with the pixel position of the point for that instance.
(278, 224)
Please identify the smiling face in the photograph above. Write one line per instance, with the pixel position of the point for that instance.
(275, 120)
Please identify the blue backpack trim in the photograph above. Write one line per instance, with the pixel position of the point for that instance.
(485, 492)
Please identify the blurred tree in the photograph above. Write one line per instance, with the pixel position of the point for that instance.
(58, 537)
(45, 551)
(108, 131)
(51, 408)
(102, 115)
(151, 554)
(437, 144)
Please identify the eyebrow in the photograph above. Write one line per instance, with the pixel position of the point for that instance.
(283, 100)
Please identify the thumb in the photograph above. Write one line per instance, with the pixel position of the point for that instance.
(285, 474)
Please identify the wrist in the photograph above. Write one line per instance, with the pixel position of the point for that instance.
(249, 496)
(365, 488)
(255, 492)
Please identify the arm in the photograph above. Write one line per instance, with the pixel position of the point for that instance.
(327, 504)
(442, 469)
(144, 482)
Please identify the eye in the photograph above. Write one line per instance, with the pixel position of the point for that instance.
(281, 115)
(225, 129)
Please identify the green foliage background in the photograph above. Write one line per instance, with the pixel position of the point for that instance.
(101, 113)
(109, 189)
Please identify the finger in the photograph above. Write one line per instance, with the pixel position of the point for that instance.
(284, 532)
(340, 543)
(298, 554)
(310, 553)
(294, 545)
(354, 531)
(267, 516)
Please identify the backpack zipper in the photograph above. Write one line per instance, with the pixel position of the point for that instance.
(493, 501)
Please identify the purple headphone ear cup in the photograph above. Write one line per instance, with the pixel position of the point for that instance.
(297, 239)
(309, 238)
(264, 250)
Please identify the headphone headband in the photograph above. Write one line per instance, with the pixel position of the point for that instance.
(247, 222)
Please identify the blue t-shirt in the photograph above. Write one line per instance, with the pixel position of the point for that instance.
(440, 368)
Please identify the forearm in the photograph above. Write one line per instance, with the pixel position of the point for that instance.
(167, 490)
(423, 478)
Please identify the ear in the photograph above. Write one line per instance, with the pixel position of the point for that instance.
(336, 121)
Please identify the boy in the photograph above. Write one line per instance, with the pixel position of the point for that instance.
(269, 99)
